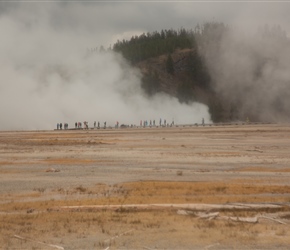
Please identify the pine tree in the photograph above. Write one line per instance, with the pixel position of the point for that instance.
(170, 65)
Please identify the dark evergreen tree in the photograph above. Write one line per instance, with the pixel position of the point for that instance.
(151, 83)
(169, 65)
(197, 70)
(216, 110)
(185, 92)
(154, 44)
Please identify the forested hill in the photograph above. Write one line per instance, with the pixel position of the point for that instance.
(174, 62)
(170, 62)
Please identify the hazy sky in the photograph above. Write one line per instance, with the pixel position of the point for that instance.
(106, 21)
(45, 77)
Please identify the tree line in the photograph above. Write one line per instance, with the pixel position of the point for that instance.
(153, 44)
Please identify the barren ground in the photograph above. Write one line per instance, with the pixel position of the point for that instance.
(58, 188)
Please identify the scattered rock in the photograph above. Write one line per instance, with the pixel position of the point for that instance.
(30, 210)
(184, 212)
(52, 170)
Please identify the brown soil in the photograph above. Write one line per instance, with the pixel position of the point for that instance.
(43, 172)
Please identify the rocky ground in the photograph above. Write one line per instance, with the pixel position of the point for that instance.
(214, 187)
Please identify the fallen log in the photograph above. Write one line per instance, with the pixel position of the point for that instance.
(194, 207)
(117, 236)
(39, 242)
(239, 219)
(213, 245)
(209, 216)
(273, 219)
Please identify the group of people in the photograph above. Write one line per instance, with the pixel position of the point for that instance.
(99, 125)
(152, 123)
(59, 126)
(78, 125)
(145, 123)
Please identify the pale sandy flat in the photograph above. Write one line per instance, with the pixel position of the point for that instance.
(43, 171)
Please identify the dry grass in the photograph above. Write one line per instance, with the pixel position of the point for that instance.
(150, 192)
(28, 212)
(105, 226)
(100, 229)
(202, 192)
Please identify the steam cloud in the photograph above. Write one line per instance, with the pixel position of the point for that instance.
(47, 77)
(251, 70)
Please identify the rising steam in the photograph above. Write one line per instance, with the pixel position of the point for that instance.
(47, 77)
(250, 71)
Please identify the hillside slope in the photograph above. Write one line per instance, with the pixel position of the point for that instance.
(181, 84)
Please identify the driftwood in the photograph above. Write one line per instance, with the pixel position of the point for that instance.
(273, 219)
(245, 219)
(209, 216)
(39, 242)
(255, 150)
(215, 215)
(184, 212)
(213, 245)
(239, 219)
(108, 241)
(197, 207)
(52, 170)
(117, 236)
(184, 209)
